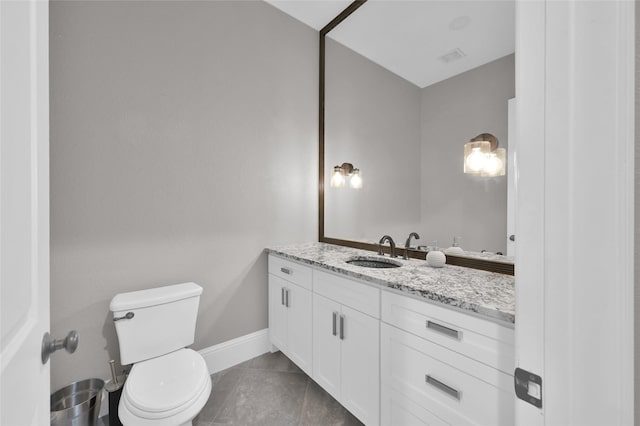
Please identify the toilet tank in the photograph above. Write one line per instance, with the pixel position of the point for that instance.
(163, 321)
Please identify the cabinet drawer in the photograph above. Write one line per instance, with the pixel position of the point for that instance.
(290, 271)
(445, 384)
(482, 340)
(361, 297)
(398, 410)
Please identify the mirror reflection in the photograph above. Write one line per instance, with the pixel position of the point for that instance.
(408, 84)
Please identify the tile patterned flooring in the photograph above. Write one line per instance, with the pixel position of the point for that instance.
(270, 390)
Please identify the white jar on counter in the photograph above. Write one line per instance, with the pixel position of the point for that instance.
(435, 257)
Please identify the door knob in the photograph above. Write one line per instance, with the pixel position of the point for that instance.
(50, 345)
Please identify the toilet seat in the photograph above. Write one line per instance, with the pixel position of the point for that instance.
(167, 390)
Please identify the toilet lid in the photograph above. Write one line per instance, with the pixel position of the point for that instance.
(165, 383)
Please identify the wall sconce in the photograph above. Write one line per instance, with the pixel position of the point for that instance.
(482, 157)
(341, 173)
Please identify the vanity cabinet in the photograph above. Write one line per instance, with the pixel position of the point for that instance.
(346, 343)
(439, 366)
(290, 305)
(391, 359)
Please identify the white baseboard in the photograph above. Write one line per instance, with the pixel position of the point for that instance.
(232, 352)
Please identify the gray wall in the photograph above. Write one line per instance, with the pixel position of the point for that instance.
(183, 142)
(372, 119)
(454, 111)
(408, 142)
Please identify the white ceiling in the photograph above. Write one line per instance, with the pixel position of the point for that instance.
(315, 13)
(408, 37)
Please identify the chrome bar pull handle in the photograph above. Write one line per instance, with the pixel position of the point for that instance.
(341, 327)
(285, 271)
(442, 329)
(443, 387)
(282, 295)
(128, 315)
(286, 298)
(50, 345)
(335, 323)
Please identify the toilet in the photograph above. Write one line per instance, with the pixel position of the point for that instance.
(169, 383)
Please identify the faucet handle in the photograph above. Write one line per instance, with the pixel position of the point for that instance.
(407, 244)
(382, 240)
(415, 235)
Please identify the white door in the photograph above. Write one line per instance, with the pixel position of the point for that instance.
(529, 218)
(24, 211)
(574, 257)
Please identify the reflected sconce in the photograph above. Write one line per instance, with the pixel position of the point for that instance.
(482, 157)
(342, 173)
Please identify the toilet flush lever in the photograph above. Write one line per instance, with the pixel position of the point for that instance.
(128, 315)
(50, 345)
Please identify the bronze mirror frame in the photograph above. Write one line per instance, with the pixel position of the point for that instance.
(469, 262)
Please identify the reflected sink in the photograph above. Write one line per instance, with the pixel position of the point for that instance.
(374, 262)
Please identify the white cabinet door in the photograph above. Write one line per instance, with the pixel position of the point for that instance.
(277, 313)
(326, 344)
(290, 321)
(299, 330)
(361, 365)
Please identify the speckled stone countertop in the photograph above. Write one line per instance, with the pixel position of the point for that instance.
(488, 294)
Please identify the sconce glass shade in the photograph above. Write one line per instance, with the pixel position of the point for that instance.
(475, 154)
(356, 179)
(337, 178)
(495, 163)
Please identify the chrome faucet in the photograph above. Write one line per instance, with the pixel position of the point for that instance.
(391, 243)
(407, 244)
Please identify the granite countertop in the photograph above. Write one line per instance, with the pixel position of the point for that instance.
(487, 294)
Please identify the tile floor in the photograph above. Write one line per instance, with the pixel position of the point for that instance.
(270, 390)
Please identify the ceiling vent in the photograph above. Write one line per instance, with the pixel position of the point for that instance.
(454, 55)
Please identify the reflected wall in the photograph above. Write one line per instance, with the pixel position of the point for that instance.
(408, 144)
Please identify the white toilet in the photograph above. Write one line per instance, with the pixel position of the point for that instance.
(168, 384)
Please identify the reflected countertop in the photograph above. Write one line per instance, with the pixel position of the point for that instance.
(487, 294)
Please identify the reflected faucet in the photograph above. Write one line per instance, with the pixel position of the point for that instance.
(407, 244)
(391, 243)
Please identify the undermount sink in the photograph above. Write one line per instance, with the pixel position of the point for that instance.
(374, 262)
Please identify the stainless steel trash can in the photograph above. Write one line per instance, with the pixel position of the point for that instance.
(77, 404)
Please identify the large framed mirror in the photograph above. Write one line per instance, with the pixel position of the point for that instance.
(404, 85)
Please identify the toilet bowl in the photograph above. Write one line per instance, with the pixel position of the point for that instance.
(168, 384)
(165, 391)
